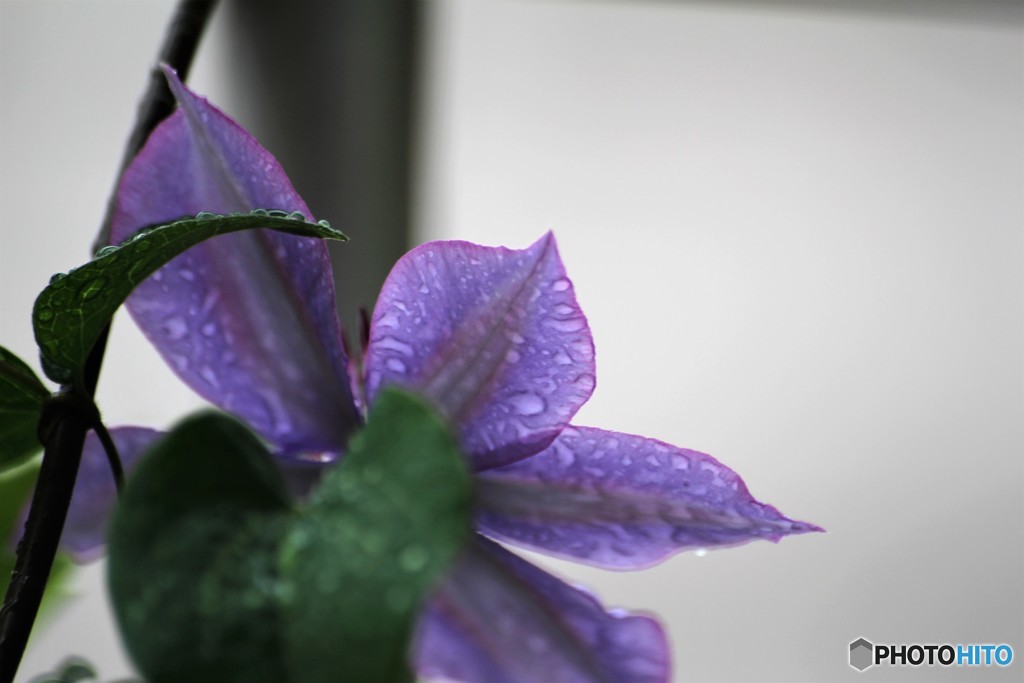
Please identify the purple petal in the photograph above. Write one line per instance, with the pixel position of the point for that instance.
(622, 502)
(493, 336)
(95, 494)
(500, 619)
(248, 319)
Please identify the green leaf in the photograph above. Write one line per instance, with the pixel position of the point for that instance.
(193, 557)
(21, 400)
(214, 576)
(70, 314)
(376, 535)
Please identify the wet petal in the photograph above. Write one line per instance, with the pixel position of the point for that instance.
(247, 320)
(500, 619)
(493, 336)
(622, 502)
(95, 494)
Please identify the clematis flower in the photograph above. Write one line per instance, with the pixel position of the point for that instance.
(495, 339)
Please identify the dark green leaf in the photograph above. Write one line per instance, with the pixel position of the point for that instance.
(72, 311)
(214, 577)
(193, 557)
(373, 540)
(21, 400)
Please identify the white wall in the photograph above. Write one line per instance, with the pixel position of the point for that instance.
(797, 234)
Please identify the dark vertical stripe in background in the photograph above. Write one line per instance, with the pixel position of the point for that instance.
(329, 88)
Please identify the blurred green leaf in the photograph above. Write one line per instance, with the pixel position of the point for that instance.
(70, 314)
(193, 556)
(21, 399)
(374, 538)
(214, 576)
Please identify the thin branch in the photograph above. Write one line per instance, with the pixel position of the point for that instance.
(63, 444)
(113, 457)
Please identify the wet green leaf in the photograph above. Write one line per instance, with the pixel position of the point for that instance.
(70, 314)
(376, 535)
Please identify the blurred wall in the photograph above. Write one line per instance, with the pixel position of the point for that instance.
(796, 229)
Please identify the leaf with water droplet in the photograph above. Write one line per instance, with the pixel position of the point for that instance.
(21, 401)
(391, 541)
(72, 311)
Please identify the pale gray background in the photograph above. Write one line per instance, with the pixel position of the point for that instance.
(796, 229)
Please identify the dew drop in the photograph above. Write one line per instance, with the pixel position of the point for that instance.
(207, 373)
(396, 365)
(560, 285)
(45, 314)
(277, 213)
(187, 275)
(57, 277)
(205, 216)
(175, 328)
(260, 212)
(323, 224)
(297, 216)
(208, 329)
(106, 251)
(527, 404)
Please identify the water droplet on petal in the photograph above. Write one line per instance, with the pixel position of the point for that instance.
(187, 275)
(396, 365)
(175, 328)
(560, 285)
(208, 329)
(527, 404)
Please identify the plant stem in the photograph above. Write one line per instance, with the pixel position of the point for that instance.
(63, 448)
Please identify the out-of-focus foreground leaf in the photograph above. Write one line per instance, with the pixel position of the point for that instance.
(216, 576)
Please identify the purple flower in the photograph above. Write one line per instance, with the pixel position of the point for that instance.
(495, 339)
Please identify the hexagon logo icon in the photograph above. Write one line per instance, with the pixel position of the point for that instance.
(861, 654)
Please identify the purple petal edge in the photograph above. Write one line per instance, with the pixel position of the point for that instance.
(497, 618)
(95, 495)
(619, 501)
(248, 319)
(493, 336)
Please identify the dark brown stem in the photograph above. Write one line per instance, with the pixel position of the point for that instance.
(66, 436)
